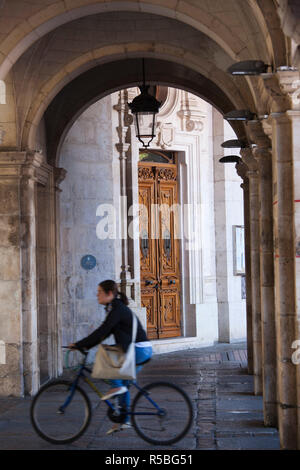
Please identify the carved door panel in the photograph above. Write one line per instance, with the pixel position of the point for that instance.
(159, 250)
(168, 254)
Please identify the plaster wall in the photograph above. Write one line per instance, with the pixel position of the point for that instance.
(87, 156)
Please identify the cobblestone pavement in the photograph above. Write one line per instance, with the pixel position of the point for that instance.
(227, 416)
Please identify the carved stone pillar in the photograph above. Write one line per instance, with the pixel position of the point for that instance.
(242, 171)
(284, 91)
(59, 175)
(252, 175)
(284, 278)
(294, 117)
(123, 147)
(18, 310)
(263, 156)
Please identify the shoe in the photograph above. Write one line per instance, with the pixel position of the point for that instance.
(125, 426)
(113, 394)
(115, 428)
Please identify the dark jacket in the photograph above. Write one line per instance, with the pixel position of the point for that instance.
(119, 323)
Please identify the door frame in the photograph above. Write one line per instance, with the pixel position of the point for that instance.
(181, 239)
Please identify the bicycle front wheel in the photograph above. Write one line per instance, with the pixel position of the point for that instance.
(57, 415)
(162, 413)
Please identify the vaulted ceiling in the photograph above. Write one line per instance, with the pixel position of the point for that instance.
(58, 57)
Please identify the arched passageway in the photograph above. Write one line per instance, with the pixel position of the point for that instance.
(199, 290)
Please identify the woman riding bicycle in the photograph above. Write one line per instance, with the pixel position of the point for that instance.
(119, 323)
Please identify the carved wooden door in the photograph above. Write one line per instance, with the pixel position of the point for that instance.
(159, 249)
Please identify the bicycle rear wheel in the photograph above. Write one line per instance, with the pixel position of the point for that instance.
(172, 413)
(56, 425)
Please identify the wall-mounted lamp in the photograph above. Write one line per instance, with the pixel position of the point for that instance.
(243, 115)
(235, 143)
(145, 107)
(230, 159)
(248, 67)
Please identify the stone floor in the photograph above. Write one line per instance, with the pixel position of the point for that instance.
(227, 416)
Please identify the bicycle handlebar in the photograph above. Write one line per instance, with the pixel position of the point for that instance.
(82, 351)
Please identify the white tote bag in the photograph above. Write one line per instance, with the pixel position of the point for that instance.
(112, 363)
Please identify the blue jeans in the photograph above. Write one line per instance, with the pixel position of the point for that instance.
(141, 355)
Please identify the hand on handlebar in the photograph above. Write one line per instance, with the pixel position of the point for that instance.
(73, 347)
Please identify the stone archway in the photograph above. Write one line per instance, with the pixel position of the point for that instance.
(28, 39)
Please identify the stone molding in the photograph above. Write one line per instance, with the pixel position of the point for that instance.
(242, 169)
(20, 165)
(59, 176)
(283, 88)
(258, 135)
(192, 117)
(250, 161)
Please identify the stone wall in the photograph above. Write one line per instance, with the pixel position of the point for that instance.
(87, 156)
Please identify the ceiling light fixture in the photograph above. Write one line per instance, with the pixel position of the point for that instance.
(230, 159)
(144, 108)
(243, 115)
(235, 143)
(248, 67)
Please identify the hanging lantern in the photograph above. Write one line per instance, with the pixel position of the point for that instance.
(144, 108)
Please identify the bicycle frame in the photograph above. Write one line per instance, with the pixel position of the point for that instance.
(80, 374)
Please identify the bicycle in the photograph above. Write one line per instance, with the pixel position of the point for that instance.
(61, 411)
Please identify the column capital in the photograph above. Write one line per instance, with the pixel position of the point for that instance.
(43, 172)
(290, 84)
(258, 135)
(122, 149)
(122, 107)
(249, 161)
(19, 165)
(59, 176)
(122, 132)
(293, 115)
(283, 87)
(241, 169)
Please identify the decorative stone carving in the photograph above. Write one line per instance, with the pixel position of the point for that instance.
(166, 135)
(192, 117)
(290, 84)
(279, 101)
(250, 161)
(59, 176)
(283, 88)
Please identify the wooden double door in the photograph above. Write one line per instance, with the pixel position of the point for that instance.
(159, 249)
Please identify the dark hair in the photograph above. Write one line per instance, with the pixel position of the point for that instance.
(110, 285)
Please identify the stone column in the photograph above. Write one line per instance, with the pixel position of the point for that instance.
(252, 175)
(284, 278)
(263, 156)
(18, 310)
(49, 325)
(59, 175)
(122, 147)
(241, 171)
(283, 90)
(294, 117)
